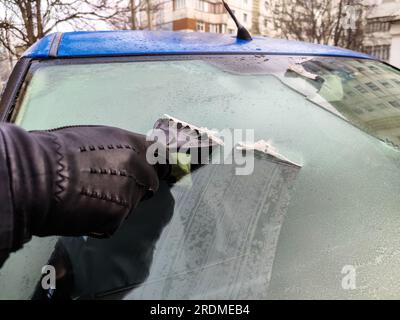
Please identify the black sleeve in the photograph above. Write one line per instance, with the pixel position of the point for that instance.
(6, 209)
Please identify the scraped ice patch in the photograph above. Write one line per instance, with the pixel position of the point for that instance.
(222, 238)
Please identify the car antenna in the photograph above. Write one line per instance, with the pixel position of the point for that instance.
(242, 32)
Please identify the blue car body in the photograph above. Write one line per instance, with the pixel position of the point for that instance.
(127, 43)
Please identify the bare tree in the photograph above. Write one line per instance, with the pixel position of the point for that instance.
(131, 12)
(337, 22)
(23, 22)
(132, 18)
(5, 67)
(148, 14)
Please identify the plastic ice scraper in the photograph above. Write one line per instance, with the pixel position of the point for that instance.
(188, 146)
(266, 148)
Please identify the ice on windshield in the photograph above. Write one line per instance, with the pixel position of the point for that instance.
(218, 235)
(336, 210)
(221, 241)
(365, 93)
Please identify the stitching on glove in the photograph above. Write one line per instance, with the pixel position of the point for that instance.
(115, 172)
(60, 168)
(102, 196)
(109, 147)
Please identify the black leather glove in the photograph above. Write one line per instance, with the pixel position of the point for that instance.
(75, 180)
(177, 139)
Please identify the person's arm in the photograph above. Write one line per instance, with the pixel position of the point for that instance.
(71, 181)
(6, 209)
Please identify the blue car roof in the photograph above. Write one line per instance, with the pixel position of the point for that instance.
(125, 43)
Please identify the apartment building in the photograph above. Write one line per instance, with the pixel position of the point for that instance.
(210, 16)
(382, 38)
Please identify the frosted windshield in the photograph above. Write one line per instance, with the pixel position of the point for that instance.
(340, 209)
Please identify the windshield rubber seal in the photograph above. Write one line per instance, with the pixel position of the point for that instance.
(13, 88)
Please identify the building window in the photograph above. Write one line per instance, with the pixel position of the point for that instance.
(382, 105)
(350, 93)
(219, 8)
(244, 17)
(223, 28)
(216, 28)
(369, 108)
(361, 89)
(179, 4)
(215, 8)
(381, 52)
(200, 5)
(200, 26)
(265, 23)
(358, 111)
(395, 104)
(378, 26)
(373, 86)
(397, 81)
(213, 28)
(386, 84)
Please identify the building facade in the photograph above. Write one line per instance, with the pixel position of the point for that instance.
(382, 38)
(210, 16)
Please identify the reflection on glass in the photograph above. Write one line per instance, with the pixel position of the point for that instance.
(366, 93)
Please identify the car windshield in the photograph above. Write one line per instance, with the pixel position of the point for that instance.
(215, 234)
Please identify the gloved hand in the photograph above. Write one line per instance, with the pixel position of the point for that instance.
(76, 180)
(185, 147)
